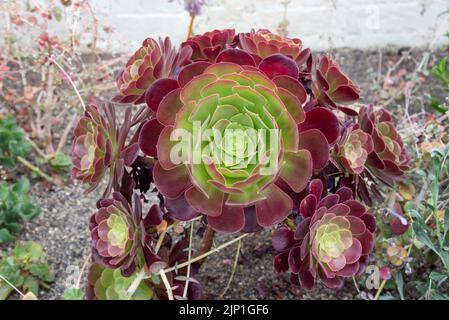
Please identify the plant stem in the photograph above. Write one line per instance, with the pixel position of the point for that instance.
(234, 267)
(11, 285)
(379, 291)
(356, 285)
(37, 149)
(186, 287)
(200, 257)
(207, 241)
(35, 169)
(69, 78)
(190, 31)
(66, 132)
(167, 285)
(133, 287)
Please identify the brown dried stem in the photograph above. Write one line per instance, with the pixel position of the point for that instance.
(206, 243)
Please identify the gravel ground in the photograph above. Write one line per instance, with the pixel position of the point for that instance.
(62, 228)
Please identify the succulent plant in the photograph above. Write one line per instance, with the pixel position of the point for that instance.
(98, 147)
(122, 237)
(389, 159)
(207, 46)
(353, 151)
(332, 88)
(231, 173)
(153, 60)
(244, 130)
(263, 43)
(332, 240)
(110, 284)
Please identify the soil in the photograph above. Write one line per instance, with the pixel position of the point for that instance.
(62, 228)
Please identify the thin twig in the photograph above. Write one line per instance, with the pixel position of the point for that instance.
(37, 149)
(86, 261)
(69, 78)
(234, 267)
(379, 291)
(160, 240)
(190, 30)
(189, 257)
(356, 285)
(167, 285)
(135, 284)
(200, 257)
(32, 167)
(11, 285)
(66, 132)
(207, 241)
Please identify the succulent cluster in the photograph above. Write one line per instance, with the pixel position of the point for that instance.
(332, 240)
(249, 130)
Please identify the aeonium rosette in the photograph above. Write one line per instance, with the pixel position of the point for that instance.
(389, 159)
(99, 147)
(122, 237)
(331, 242)
(246, 116)
(332, 88)
(153, 60)
(207, 46)
(353, 150)
(263, 43)
(109, 284)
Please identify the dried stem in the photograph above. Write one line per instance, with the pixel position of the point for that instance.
(135, 284)
(200, 257)
(66, 132)
(37, 149)
(190, 31)
(167, 285)
(35, 169)
(234, 267)
(206, 242)
(69, 78)
(11, 285)
(379, 291)
(186, 287)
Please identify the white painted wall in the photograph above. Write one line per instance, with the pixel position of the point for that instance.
(320, 23)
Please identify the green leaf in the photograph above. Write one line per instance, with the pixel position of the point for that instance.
(31, 284)
(12, 142)
(439, 296)
(28, 252)
(422, 235)
(21, 186)
(446, 222)
(41, 271)
(15, 206)
(61, 161)
(36, 251)
(5, 236)
(73, 294)
(438, 277)
(436, 105)
(399, 283)
(5, 290)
